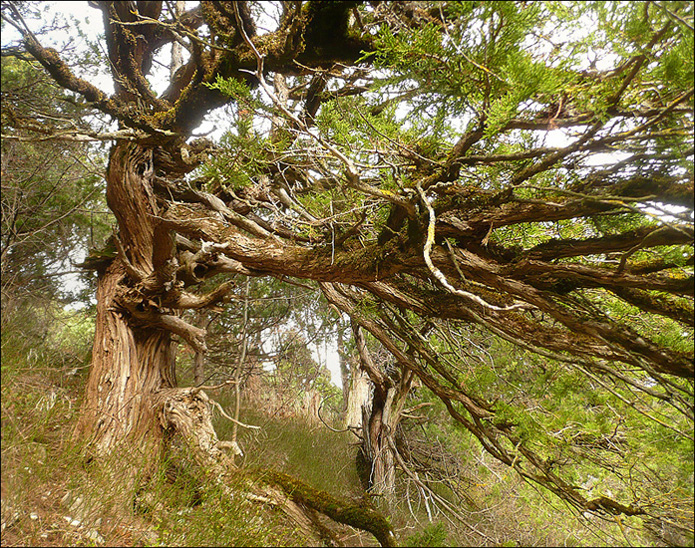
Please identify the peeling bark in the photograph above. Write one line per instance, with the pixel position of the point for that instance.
(381, 416)
(128, 366)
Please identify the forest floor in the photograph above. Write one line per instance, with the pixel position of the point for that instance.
(51, 495)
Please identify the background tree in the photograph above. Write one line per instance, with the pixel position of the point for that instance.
(52, 211)
(431, 166)
(51, 203)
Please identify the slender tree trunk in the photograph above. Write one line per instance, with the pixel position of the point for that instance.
(381, 419)
(380, 424)
(176, 47)
(240, 365)
(198, 368)
(344, 365)
(377, 429)
(358, 395)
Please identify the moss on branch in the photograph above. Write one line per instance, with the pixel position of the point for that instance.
(343, 511)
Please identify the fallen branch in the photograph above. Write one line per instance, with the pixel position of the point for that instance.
(341, 511)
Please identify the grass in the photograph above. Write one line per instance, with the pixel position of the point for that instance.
(51, 497)
(324, 459)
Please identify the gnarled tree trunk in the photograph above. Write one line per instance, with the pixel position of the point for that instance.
(380, 419)
(128, 366)
(132, 358)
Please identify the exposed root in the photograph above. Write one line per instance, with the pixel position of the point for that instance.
(187, 411)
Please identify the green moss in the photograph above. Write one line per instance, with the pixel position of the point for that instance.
(99, 259)
(434, 534)
(343, 511)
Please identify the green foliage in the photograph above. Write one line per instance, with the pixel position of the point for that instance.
(594, 437)
(43, 336)
(241, 158)
(434, 534)
(44, 351)
(49, 195)
(493, 65)
(231, 87)
(238, 165)
(480, 63)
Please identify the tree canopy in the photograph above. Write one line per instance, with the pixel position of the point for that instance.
(438, 169)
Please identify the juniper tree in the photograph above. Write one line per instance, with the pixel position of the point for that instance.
(431, 166)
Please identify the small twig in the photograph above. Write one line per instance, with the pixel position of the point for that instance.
(426, 489)
(242, 358)
(669, 13)
(209, 388)
(26, 31)
(285, 279)
(400, 145)
(224, 414)
(78, 136)
(418, 406)
(318, 412)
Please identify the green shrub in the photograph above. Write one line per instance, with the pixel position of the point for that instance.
(434, 534)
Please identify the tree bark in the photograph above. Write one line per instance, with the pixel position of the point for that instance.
(133, 354)
(198, 369)
(176, 47)
(358, 396)
(381, 419)
(378, 423)
(344, 364)
(128, 366)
